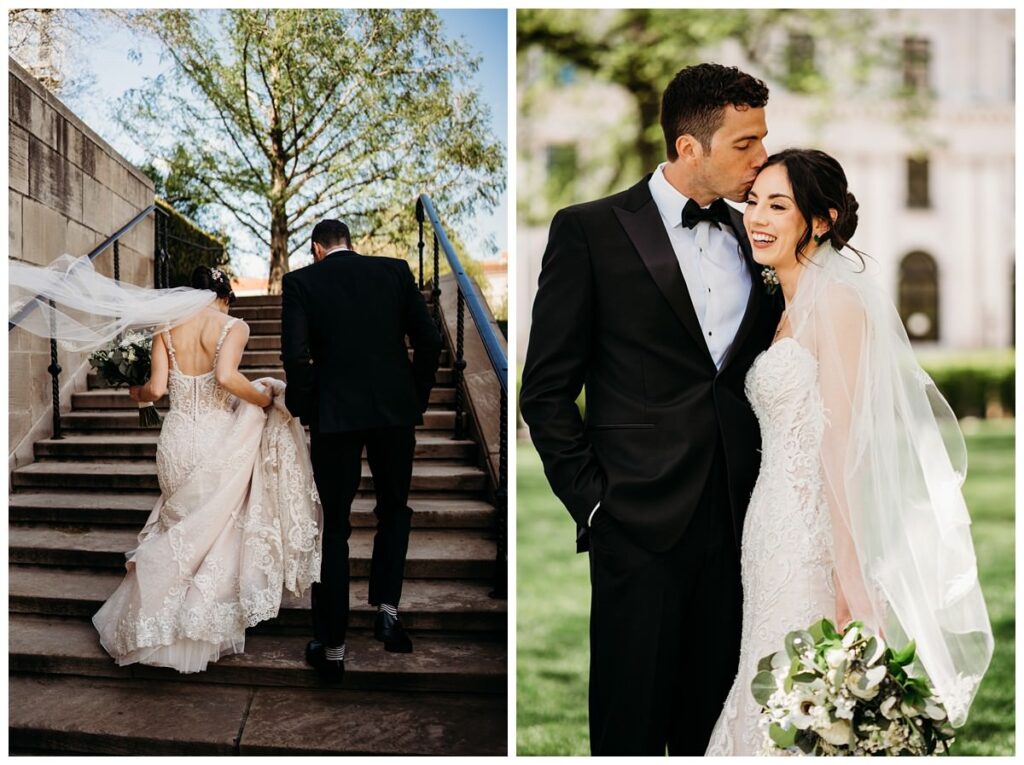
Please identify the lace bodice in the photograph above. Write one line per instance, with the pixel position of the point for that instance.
(195, 424)
(787, 539)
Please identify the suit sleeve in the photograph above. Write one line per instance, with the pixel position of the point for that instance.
(423, 337)
(295, 353)
(556, 367)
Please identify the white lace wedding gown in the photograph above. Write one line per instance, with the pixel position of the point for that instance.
(236, 521)
(786, 552)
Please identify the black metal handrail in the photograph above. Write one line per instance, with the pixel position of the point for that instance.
(114, 240)
(469, 297)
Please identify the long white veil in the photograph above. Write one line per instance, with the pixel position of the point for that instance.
(89, 308)
(894, 461)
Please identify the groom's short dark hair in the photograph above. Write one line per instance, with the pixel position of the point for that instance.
(695, 100)
(330, 233)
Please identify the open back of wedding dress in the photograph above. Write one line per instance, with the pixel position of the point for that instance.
(859, 488)
(237, 520)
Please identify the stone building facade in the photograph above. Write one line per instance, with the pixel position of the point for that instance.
(68, 191)
(936, 200)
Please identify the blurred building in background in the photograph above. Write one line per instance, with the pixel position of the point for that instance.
(932, 167)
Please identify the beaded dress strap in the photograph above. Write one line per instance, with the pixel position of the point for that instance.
(170, 349)
(223, 335)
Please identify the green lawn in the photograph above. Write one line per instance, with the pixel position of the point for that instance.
(554, 601)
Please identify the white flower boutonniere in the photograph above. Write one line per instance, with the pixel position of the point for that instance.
(771, 279)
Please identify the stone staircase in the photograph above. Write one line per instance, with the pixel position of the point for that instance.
(77, 509)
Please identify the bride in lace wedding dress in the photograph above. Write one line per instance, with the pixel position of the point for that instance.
(857, 512)
(237, 519)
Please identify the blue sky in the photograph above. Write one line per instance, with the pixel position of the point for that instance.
(483, 31)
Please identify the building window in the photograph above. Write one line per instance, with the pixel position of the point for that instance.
(919, 296)
(917, 56)
(561, 169)
(918, 196)
(800, 54)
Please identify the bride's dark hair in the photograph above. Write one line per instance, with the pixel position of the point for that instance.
(819, 186)
(206, 278)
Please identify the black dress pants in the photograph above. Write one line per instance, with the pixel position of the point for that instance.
(664, 633)
(337, 468)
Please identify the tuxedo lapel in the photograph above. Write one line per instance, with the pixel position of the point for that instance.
(756, 292)
(645, 229)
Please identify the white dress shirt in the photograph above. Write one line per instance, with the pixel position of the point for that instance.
(713, 267)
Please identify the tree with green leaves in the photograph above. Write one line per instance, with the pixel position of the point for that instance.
(641, 49)
(286, 116)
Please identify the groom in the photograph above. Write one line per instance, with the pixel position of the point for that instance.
(343, 328)
(650, 299)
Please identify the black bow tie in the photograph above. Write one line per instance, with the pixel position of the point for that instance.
(716, 213)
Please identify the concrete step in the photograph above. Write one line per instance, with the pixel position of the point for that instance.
(440, 554)
(139, 475)
(118, 398)
(264, 327)
(147, 717)
(248, 301)
(428, 605)
(126, 419)
(76, 508)
(142, 445)
(252, 357)
(445, 663)
(444, 376)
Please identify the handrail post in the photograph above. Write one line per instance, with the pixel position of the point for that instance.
(435, 293)
(54, 370)
(117, 260)
(460, 363)
(501, 501)
(419, 242)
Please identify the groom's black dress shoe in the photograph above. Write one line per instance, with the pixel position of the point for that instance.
(331, 671)
(390, 631)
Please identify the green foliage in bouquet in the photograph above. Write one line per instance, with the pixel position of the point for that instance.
(827, 693)
(127, 361)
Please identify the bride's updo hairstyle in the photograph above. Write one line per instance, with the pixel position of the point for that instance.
(206, 278)
(819, 186)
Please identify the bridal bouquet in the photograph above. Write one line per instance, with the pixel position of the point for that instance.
(843, 694)
(126, 361)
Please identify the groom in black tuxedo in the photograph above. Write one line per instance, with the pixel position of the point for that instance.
(344, 323)
(651, 300)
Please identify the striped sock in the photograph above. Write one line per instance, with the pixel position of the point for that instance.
(335, 654)
(388, 609)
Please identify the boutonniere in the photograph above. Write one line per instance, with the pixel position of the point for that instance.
(771, 279)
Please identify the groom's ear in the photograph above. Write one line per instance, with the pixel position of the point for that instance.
(688, 148)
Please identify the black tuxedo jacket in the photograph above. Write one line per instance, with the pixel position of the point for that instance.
(612, 313)
(343, 329)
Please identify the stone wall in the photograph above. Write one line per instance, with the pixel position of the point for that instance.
(69, 190)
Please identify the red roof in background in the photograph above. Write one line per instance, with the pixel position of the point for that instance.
(250, 285)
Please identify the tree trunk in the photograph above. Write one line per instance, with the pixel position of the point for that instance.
(278, 248)
(650, 151)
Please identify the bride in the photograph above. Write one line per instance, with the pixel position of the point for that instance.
(857, 512)
(238, 516)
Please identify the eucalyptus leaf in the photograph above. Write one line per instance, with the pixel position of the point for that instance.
(765, 663)
(874, 650)
(817, 631)
(784, 738)
(762, 687)
(797, 642)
